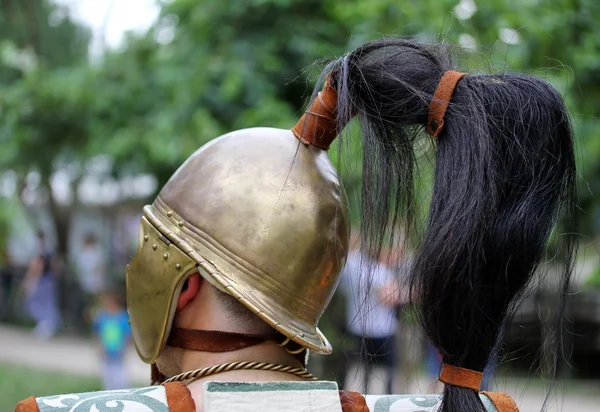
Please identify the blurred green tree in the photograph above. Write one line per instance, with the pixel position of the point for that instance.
(210, 66)
(42, 52)
(38, 33)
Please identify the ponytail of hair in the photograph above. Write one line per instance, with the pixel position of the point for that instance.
(504, 179)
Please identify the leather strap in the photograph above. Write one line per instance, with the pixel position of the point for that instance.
(28, 405)
(317, 126)
(441, 100)
(353, 402)
(502, 401)
(463, 378)
(213, 340)
(179, 397)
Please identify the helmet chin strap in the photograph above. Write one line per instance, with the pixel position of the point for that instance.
(218, 341)
(214, 340)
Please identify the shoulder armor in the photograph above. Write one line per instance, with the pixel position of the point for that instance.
(149, 399)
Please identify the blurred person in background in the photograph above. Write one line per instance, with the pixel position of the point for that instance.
(91, 266)
(41, 290)
(409, 336)
(372, 319)
(113, 335)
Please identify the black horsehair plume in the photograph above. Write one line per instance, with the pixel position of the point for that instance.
(504, 180)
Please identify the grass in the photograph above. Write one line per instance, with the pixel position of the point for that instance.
(17, 384)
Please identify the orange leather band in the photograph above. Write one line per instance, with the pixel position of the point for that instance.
(441, 100)
(28, 405)
(464, 378)
(179, 397)
(353, 402)
(317, 126)
(502, 401)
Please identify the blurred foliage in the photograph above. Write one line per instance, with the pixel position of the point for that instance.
(207, 67)
(39, 104)
(594, 280)
(37, 33)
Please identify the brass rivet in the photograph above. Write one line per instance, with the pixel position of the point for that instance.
(178, 266)
(301, 335)
(169, 213)
(145, 238)
(165, 256)
(154, 246)
(180, 223)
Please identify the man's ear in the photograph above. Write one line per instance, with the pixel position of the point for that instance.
(190, 289)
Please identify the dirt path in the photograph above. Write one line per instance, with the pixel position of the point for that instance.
(75, 356)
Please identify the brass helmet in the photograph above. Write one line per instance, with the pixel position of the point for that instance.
(262, 217)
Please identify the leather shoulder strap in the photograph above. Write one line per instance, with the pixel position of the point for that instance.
(353, 402)
(28, 405)
(179, 397)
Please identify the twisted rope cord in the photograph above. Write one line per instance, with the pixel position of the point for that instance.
(245, 365)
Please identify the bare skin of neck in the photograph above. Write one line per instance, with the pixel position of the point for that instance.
(264, 352)
(205, 312)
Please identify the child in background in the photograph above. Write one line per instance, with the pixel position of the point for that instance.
(113, 333)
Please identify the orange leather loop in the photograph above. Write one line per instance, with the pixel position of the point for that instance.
(502, 401)
(317, 126)
(28, 405)
(441, 100)
(179, 397)
(353, 402)
(463, 378)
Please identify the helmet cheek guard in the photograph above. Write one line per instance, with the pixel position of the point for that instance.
(154, 278)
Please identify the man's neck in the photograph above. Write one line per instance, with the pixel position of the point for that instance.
(264, 352)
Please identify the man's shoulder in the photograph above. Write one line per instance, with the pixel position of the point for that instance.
(152, 398)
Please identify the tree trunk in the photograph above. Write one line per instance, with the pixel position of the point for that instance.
(61, 219)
